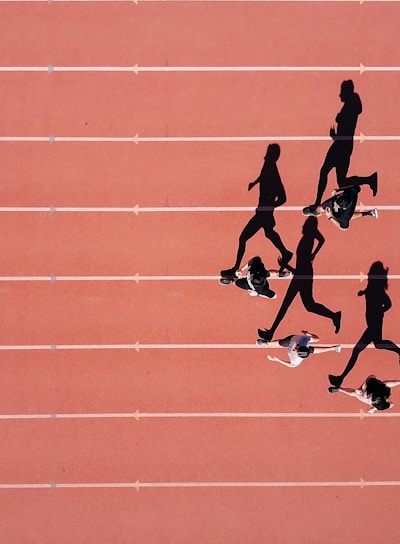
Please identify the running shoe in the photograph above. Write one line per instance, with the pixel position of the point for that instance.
(374, 213)
(311, 210)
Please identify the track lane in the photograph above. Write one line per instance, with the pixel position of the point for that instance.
(228, 515)
(191, 174)
(196, 451)
(228, 381)
(280, 33)
(206, 514)
(160, 104)
(64, 244)
(81, 314)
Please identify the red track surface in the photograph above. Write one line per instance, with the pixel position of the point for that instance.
(163, 450)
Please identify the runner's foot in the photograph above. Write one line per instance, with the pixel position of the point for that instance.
(226, 281)
(336, 381)
(311, 210)
(374, 183)
(336, 321)
(333, 389)
(374, 213)
(265, 334)
(228, 273)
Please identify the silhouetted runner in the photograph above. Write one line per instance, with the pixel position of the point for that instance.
(377, 303)
(272, 195)
(340, 151)
(302, 282)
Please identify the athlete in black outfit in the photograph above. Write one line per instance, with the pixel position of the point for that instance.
(341, 208)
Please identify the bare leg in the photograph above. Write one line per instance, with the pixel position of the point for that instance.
(273, 344)
(323, 349)
(357, 215)
(348, 391)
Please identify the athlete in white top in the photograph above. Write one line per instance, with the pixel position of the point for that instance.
(298, 348)
(373, 392)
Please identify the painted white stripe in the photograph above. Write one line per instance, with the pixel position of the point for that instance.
(202, 1)
(137, 346)
(214, 346)
(361, 484)
(68, 209)
(71, 347)
(176, 139)
(219, 209)
(361, 68)
(159, 209)
(24, 139)
(137, 278)
(159, 485)
(204, 415)
(72, 278)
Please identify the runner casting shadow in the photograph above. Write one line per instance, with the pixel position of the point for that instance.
(302, 282)
(377, 303)
(272, 195)
(339, 153)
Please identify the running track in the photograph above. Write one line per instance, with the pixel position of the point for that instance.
(226, 447)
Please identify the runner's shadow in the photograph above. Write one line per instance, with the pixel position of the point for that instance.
(272, 194)
(302, 281)
(377, 304)
(339, 153)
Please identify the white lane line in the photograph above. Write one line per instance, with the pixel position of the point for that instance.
(159, 485)
(202, 1)
(69, 278)
(137, 347)
(190, 139)
(138, 278)
(136, 210)
(218, 209)
(136, 69)
(203, 415)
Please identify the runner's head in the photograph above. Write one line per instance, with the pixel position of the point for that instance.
(377, 275)
(310, 225)
(381, 404)
(304, 351)
(273, 153)
(346, 90)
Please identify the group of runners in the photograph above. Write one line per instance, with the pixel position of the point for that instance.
(339, 209)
